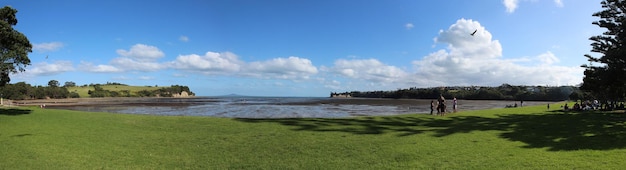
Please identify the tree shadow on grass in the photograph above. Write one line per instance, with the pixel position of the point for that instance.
(555, 131)
(14, 111)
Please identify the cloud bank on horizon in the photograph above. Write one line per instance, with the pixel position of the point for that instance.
(456, 58)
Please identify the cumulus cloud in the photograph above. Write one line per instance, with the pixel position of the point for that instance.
(477, 60)
(142, 52)
(286, 68)
(140, 57)
(367, 69)
(46, 69)
(209, 63)
(227, 63)
(183, 38)
(49, 46)
(547, 58)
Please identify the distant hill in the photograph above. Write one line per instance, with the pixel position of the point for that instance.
(25, 91)
(123, 90)
(83, 91)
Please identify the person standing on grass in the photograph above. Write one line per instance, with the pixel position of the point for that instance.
(442, 105)
(437, 108)
(454, 104)
(432, 107)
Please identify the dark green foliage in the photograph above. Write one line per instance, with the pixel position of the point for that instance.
(14, 46)
(99, 92)
(162, 92)
(145, 93)
(22, 90)
(606, 80)
(74, 95)
(53, 83)
(69, 84)
(116, 83)
(503, 92)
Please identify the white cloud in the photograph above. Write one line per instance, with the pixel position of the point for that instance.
(510, 5)
(477, 60)
(209, 63)
(409, 26)
(89, 67)
(460, 41)
(285, 68)
(46, 69)
(333, 84)
(367, 69)
(132, 64)
(227, 63)
(547, 58)
(46, 47)
(140, 57)
(142, 52)
(183, 38)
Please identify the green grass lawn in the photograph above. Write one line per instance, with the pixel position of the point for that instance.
(515, 138)
(83, 90)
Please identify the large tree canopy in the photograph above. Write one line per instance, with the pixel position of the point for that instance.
(605, 79)
(14, 46)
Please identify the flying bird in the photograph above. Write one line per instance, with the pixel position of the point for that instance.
(474, 32)
(46, 56)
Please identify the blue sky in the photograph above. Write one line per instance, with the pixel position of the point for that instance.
(306, 47)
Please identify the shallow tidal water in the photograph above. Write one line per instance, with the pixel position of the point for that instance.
(287, 107)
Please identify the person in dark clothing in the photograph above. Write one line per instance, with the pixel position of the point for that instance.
(442, 105)
(432, 107)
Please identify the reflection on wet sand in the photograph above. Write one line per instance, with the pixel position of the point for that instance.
(267, 107)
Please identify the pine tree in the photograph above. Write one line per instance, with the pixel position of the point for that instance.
(606, 79)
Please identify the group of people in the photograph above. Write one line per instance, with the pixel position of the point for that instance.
(594, 105)
(440, 106)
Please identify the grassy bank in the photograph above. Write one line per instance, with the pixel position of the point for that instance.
(516, 138)
(83, 91)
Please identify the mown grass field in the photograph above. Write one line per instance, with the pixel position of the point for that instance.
(516, 138)
(83, 91)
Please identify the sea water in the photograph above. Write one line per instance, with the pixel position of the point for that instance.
(276, 107)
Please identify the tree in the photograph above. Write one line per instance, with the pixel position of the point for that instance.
(53, 83)
(69, 84)
(606, 80)
(14, 46)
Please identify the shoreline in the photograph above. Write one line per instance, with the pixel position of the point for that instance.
(186, 101)
(354, 100)
(262, 107)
